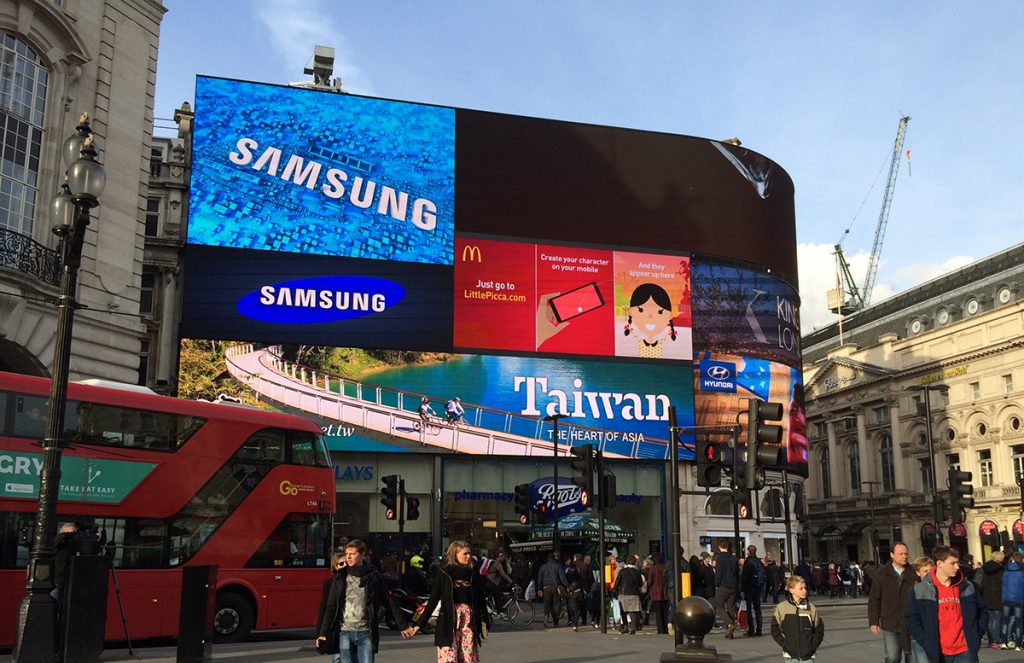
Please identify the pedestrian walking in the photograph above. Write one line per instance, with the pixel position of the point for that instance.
(462, 620)
(726, 586)
(629, 586)
(989, 580)
(796, 625)
(945, 613)
(1013, 603)
(886, 601)
(349, 627)
(922, 567)
(551, 586)
(752, 581)
(657, 589)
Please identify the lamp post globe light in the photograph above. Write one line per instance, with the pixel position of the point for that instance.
(37, 631)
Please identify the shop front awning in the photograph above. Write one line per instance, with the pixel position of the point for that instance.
(531, 546)
(855, 528)
(584, 526)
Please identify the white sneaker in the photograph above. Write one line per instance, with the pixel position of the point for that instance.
(1009, 645)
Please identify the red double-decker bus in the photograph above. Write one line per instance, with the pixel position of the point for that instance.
(160, 483)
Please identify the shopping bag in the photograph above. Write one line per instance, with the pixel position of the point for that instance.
(741, 614)
(531, 591)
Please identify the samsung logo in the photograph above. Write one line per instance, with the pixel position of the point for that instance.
(321, 299)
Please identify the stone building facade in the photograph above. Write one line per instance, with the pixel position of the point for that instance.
(958, 339)
(61, 58)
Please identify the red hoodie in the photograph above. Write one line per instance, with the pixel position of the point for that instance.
(951, 619)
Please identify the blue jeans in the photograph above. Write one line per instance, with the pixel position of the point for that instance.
(966, 657)
(1011, 622)
(355, 647)
(893, 648)
(918, 652)
(995, 626)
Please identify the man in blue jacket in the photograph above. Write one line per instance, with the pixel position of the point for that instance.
(945, 613)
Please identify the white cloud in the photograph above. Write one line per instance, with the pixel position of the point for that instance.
(817, 264)
(296, 26)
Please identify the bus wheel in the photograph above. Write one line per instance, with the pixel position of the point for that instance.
(234, 618)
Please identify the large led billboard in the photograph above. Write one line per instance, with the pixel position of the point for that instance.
(583, 267)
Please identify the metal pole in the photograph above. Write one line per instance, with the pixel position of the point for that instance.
(789, 527)
(37, 632)
(674, 542)
(735, 491)
(556, 544)
(931, 455)
(601, 502)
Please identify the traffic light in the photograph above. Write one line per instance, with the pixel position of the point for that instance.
(709, 463)
(584, 468)
(521, 502)
(609, 498)
(760, 433)
(545, 511)
(961, 493)
(389, 496)
(412, 507)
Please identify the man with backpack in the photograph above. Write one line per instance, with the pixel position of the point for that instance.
(752, 582)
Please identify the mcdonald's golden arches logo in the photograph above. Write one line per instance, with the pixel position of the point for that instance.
(471, 253)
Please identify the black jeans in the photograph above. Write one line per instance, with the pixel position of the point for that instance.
(725, 605)
(754, 610)
(552, 603)
(660, 610)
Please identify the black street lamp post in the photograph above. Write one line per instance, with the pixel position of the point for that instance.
(927, 390)
(37, 632)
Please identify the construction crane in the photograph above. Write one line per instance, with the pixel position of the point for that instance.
(846, 298)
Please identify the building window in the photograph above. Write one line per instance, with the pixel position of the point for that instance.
(1014, 424)
(156, 160)
(953, 461)
(152, 217)
(143, 362)
(926, 474)
(1018, 459)
(1018, 462)
(881, 415)
(1008, 384)
(148, 290)
(826, 474)
(981, 429)
(22, 101)
(719, 504)
(854, 456)
(975, 390)
(950, 434)
(821, 429)
(888, 468)
(985, 466)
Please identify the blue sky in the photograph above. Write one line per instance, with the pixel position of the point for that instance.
(819, 87)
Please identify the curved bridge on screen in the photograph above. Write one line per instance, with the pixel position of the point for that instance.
(392, 414)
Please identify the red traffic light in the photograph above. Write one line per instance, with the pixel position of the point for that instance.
(713, 452)
(522, 519)
(389, 514)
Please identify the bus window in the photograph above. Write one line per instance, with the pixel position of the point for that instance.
(302, 539)
(266, 446)
(111, 425)
(30, 413)
(3, 411)
(302, 447)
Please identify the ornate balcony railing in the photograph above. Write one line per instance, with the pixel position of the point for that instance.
(23, 254)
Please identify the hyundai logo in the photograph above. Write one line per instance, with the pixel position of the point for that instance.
(718, 373)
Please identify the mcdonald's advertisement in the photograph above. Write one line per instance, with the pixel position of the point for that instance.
(560, 299)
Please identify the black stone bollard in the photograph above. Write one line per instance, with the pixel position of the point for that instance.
(694, 618)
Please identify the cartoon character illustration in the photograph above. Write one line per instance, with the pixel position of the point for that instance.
(650, 320)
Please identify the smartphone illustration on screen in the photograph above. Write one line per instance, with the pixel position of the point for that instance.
(578, 301)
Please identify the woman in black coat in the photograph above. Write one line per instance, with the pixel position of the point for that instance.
(463, 617)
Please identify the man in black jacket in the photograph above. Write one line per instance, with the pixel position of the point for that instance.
(349, 625)
(726, 584)
(752, 581)
(551, 585)
(886, 602)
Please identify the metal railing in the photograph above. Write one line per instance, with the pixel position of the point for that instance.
(21, 253)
